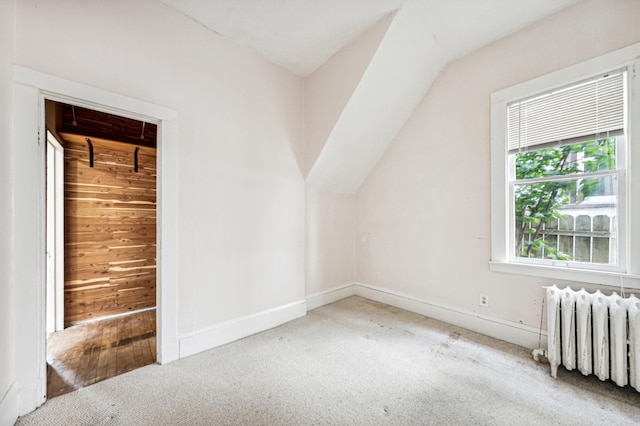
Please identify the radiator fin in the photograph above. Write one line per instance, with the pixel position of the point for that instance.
(568, 315)
(618, 332)
(583, 322)
(553, 328)
(634, 342)
(600, 311)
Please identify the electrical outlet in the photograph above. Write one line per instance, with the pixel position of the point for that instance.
(484, 301)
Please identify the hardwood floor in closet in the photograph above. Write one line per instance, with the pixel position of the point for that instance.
(87, 353)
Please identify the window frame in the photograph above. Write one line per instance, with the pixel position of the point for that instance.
(627, 272)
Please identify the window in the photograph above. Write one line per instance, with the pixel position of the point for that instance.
(564, 168)
(563, 203)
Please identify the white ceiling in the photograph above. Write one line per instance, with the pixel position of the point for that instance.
(301, 35)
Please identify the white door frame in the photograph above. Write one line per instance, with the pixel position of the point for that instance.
(55, 234)
(31, 89)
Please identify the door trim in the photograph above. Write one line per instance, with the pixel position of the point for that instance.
(32, 88)
(55, 234)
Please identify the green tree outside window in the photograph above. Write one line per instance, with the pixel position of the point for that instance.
(553, 169)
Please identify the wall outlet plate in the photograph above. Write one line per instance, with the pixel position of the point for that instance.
(484, 301)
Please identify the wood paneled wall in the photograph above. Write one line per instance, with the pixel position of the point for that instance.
(110, 229)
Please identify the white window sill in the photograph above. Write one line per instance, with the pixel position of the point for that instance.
(569, 274)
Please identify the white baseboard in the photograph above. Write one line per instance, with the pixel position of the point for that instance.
(241, 327)
(236, 329)
(508, 331)
(9, 406)
(317, 300)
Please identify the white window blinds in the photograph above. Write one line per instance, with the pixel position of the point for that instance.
(589, 108)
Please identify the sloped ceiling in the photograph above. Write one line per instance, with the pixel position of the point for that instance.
(299, 35)
(423, 37)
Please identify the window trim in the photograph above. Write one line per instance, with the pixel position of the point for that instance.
(628, 273)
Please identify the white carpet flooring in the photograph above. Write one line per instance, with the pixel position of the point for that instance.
(354, 362)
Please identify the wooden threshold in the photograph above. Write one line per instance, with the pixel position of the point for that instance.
(87, 353)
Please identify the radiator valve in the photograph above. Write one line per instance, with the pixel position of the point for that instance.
(537, 352)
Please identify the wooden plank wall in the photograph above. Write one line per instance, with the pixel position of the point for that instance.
(110, 229)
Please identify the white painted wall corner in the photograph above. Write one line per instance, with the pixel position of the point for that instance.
(322, 298)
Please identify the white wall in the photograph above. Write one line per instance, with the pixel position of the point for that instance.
(240, 190)
(7, 42)
(424, 212)
(330, 241)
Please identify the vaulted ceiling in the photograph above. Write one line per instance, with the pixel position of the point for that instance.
(422, 37)
(299, 35)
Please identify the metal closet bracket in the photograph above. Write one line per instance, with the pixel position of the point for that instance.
(135, 159)
(90, 151)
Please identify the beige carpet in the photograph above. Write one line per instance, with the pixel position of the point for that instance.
(355, 362)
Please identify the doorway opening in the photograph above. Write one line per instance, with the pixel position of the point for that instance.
(101, 213)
